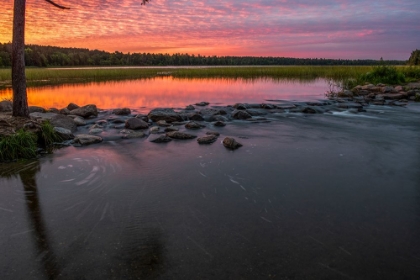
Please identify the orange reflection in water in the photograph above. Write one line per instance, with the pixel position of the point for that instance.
(169, 92)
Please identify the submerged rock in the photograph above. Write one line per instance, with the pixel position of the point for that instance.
(219, 124)
(163, 123)
(168, 115)
(180, 135)
(159, 138)
(86, 111)
(122, 111)
(202, 103)
(87, 139)
(207, 139)
(135, 123)
(231, 143)
(132, 134)
(241, 115)
(64, 134)
(194, 125)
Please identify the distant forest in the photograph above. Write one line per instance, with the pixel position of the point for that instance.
(49, 56)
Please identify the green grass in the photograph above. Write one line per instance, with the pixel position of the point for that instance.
(359, 74)
(47, 136)
(23, 144)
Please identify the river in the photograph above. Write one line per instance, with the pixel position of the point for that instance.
(324, 196)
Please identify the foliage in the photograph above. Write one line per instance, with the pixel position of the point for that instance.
(417, 97)
(20, 145)
(414, 58)
(44, 56)
(383, 74)
(411, 73)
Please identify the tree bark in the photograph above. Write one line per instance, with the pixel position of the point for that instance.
(20, 99)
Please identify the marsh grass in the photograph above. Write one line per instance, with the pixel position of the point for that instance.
(47, 136)
(21, 145)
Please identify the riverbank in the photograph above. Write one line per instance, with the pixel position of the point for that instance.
(75, 125)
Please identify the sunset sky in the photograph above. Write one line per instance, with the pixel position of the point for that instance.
(300, 28)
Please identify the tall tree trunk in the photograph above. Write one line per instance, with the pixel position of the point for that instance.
(20, 99)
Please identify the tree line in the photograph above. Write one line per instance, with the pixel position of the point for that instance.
(50, 56)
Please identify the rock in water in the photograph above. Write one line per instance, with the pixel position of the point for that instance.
(231, 143)
(135, 123)
(122, 111)
(168, 115)
(207, 139)
(64, 134)
(180, 135)
(86, 139)
(162, 138)
(219, 123)
(202, 103)
(85, 111)
(194, 125)
(241, 115)
(63, 121)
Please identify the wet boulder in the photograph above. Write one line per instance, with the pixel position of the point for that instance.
(64, 134)
(85, 111)
(240, 106)
(241, 115)
(202, 103)
(190, 107)
(166, 114)
(208, 139)
(36, 109)
(87, 139)
(122, 111)
(72, 106)
(159, 138)
(63, 121)
(219, 124)
(231, 143)
(180, 135)
(194, 125)
(135, 123)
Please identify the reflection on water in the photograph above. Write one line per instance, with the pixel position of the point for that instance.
(320, 197)
(170, 92)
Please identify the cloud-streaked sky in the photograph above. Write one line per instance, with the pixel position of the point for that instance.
(301, 28)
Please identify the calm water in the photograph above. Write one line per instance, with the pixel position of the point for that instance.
(306, 197)
(170, 92)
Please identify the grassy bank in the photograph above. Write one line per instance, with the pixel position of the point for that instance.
(45, 76)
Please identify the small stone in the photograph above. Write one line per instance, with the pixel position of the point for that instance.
(135, 123)
(194, 125)
(6, 106)
(219, 124)
(86, 139)
(171, 128)
(231, 143)
(79, 121)
(122, 111)
(36, 109)
(190, 107)
(159, 138)
(240, 106)
(241, 115)
(154, 129)
(180, 135)
(203, 103)
(308, 110)
(207, 139)
(163, 123)
(213, 133)
(72, 106)
(63, 133)
(133, 134)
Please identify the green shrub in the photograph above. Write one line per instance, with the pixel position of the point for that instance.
(417, 97)
(23, 144)
(384, 74)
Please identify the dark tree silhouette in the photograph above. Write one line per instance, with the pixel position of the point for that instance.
(20, 98)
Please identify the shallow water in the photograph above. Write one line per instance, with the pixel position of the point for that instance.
(325, 196)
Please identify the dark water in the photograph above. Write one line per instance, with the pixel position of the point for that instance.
(306, 197)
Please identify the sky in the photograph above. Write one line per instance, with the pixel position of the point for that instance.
(343, 29)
